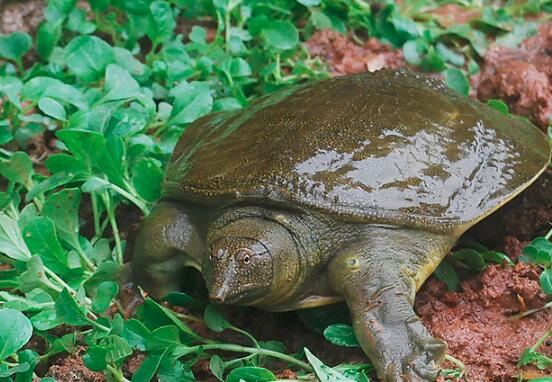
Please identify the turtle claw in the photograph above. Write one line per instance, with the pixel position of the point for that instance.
(415, 363)
(400, 346)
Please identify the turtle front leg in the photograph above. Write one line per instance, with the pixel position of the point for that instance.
(378, 284)
(168, 241)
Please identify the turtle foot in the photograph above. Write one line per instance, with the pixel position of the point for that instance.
(413, 357)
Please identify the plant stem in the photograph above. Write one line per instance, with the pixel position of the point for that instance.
(130, 196)
(531, 311)
(114, 228)
(85, 258)
(278, 73)
(542, 340)
(457, 363)
(96, 215)
(250, 350)
(188, 317)
(117, 374)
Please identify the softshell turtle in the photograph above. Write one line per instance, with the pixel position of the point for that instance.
(349, 188)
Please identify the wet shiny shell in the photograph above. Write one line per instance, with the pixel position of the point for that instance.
(390, 147)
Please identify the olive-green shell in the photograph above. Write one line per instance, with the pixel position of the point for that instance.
(390, 147)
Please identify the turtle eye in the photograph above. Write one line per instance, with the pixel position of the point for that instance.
(244, 256)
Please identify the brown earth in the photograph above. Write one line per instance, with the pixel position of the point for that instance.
(22, 16)
(71, 369)
(345, 56)
(522, 77)
(475, 321)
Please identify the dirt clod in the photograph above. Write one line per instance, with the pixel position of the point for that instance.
(522, 77)
(345, 56)
(72, 369)
(476, 323)
(21, 16)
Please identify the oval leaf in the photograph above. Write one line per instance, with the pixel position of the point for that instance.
(15, 331)
(341, 335)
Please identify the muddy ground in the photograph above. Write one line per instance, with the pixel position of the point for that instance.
(476, 320)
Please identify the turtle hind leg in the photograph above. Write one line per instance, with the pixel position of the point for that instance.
(168, 241)
(376, 278)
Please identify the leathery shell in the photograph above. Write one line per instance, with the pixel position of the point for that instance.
(391, 147)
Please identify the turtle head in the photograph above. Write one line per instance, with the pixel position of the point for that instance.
(250, 262)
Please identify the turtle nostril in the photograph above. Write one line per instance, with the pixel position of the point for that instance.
(218, 254)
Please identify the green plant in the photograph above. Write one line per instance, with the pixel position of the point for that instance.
(539, 252)
(109, 89)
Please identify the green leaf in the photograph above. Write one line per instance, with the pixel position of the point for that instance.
(87, 146)
(41, 239)
(539, 251)
(22, 367)
(476, 38)
(78, 22)
(107, 290)
(52, 108)
(95, 358)
(154, 316)
(172, 370)
(18, 169)
(192, 101)
(63, 208)
(163, 21)
(546, 281)
(250, 374)
(280, 35)
(88, 56)
(11, 87)
(119, 84)
(63, 7)
(116, 348)
(163, 337)
(496, 257)
(405, 26)
(446, 273)
(15, 45)
(341, 335)
(69, 311)
(309, 3)
(149, 366)
(216, 365)
(11, 239)
(413, 51)
(15, 331)
(40, 87)
(46, 320)
(27, 357)
(449, 55)
(457, 80)
(499, 105)
(214, 319)
(34, 276)
(323, 372)
(469, 257)
(146, 178)
(531, 356)
(47, 37)
(135, 334)
(125, 59)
